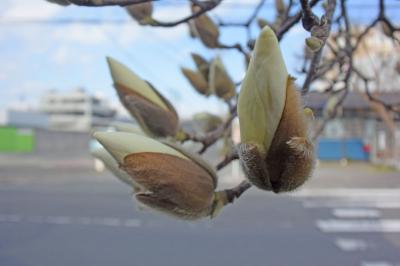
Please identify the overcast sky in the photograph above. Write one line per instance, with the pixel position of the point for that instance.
(38, 55)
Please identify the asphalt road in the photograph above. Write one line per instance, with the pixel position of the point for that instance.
(69, 216)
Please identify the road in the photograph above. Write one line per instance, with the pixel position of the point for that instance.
(66, 216)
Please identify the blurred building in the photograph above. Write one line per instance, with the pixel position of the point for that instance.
(358, 131)
(76, 110)
(23, 118)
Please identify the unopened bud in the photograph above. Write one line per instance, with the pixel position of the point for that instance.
(141, 12)
(202, 65)
(219, 80)
(197, 80)
(275, 151)
(206, 122)
(60, 2)
(170, 180)
(314, 43)
(154, 113)
(206, 29)
(262, 23)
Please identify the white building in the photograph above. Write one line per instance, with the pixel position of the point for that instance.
(76, 110)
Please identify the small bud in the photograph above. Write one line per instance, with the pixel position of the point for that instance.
(154, 113)
(60, 2)
(314, 44)
(197, 80)
(280, 7)
(386, 29)
(207, 31)
(172, 181)
(219, 80)
(192, 29)
(206, 122)
(202, 65)
(262, 23)
(275, 151)
(141, 12)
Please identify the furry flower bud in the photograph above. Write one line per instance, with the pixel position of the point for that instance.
(314, 43)
(60, 2)
(154, 113)
(171, 179)
(219, 80)
(197, 80)
(275, 151)
(205, 29)
(141, 12)
(206, 122)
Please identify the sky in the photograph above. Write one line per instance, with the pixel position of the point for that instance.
(38, 55)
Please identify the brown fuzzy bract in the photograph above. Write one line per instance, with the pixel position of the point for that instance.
(171, 184)
(153, 119)
(290, 159)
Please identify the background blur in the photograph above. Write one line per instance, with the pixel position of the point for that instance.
(58, 206)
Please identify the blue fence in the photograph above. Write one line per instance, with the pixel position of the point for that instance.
(336, 149)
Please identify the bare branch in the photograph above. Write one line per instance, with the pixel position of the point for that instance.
(236, 192)
(98, 3)
(325, 28)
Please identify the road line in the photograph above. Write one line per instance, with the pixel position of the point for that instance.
(348, 192)
(11, 218)
(357, 226)
(132, 223)
(351, 245)
(356, 213)
(379, 203)
(377, 263)
(58, 220)
(68, 220)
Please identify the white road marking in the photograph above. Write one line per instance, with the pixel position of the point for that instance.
(109, 221)
(10, 218)
(67, 220)
(377, 203)
(58, 220)
(132, 223)
(357, 226)
(356, 213)
(348, 244)
(377, 263)
(348, 192)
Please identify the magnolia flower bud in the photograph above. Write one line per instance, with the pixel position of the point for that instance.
(155, 114)
(206, 30)
(192, 29)
(171, 179)
(60, 2)
(112, 165)
(219, 81)
(275, 153)
(262, 23)
(386, 29)
(197, 80)
(206, 122)
(141, 12)
(202, 65)
(314, 43)
(280, 7)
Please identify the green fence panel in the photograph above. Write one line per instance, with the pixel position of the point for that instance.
(16, 140)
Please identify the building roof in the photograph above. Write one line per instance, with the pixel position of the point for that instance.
(354, 100)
